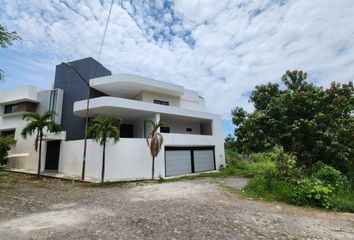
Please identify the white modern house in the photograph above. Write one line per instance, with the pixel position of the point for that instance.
(193, 139)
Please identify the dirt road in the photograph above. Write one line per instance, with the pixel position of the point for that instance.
(198, 209)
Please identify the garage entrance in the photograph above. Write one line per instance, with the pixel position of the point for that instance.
(185, 160)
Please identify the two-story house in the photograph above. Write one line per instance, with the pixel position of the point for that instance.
(193, 139)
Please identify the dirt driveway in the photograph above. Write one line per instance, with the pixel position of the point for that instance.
(198, 209)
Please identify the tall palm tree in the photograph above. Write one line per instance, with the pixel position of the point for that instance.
(155, 143)
(39, 124)
(101, 129)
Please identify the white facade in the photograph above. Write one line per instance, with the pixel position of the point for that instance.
(134, 99)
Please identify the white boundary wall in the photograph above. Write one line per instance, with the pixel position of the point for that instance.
(130, 158)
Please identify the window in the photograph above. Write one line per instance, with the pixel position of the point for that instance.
(165, 129)
(161, 102)
(53, 100)
(8, 133)
(189, 130)
(11, 108)
(20, 107)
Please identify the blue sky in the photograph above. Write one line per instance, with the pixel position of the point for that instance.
(220, 48)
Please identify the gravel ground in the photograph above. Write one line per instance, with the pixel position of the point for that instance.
(197, 209)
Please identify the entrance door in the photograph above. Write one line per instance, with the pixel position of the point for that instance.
(52, 156)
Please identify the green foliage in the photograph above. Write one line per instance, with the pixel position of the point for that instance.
(273, 190)
(6, 39)
(39, 124)
(331, 177)
(103, 128)
(309, 122)
(312, 192)
(278, 178)
(5, 146)
(229, 143)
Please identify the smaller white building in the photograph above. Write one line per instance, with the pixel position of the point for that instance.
(193, 140)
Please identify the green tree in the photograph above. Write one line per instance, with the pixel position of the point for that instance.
(312, 123)
(154, 141)
(5, 146)
(101, 129)
(39, 124)
(6, 39)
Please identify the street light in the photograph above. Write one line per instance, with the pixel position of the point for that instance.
(86, 117)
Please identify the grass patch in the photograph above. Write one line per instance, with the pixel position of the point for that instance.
(272, 190)
(275, 190)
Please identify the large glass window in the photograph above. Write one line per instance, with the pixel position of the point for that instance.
(11, 108)
(53, 100)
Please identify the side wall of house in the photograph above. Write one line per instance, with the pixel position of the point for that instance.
(130, 158)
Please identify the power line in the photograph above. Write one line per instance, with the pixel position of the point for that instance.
(103, 38)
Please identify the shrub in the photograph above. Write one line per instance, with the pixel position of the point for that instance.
(279, 178)
(5, 146)
(273, 189)
(232, 157)
(331, 177)
(312, 192)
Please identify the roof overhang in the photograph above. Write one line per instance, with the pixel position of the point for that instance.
(129, 85)
(132, 109)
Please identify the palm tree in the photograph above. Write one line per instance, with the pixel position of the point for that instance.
(155, 143)
(39, 124)
(101, 129)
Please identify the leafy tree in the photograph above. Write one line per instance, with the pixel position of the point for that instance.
(5, 146)
(39, 124)
(312, 123)
(155, 143)
(229, 142)
(6, 39)
(101, 129)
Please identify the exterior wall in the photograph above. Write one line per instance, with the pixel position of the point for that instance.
(147, 96)
(129, 159)
(180, 126)
(44, 98)
(74, 90)
(19, 94)
(28, 158)
(191, 100)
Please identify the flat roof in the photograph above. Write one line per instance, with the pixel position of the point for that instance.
(130, 85)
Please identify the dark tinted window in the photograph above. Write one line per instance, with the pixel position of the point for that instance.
(6, 133)
(165, 129)
(161, 102)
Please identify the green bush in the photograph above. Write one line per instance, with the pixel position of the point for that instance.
(344, 201)
(267, 189)
(5, 146)
(311, 192)
(279, 178)
(331, 177)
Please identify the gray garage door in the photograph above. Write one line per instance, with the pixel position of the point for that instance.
(185, 160)
(203, 160)
(178, 162)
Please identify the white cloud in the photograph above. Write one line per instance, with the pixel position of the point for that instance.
(220, 48)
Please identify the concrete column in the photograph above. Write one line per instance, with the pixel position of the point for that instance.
(157, 119)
